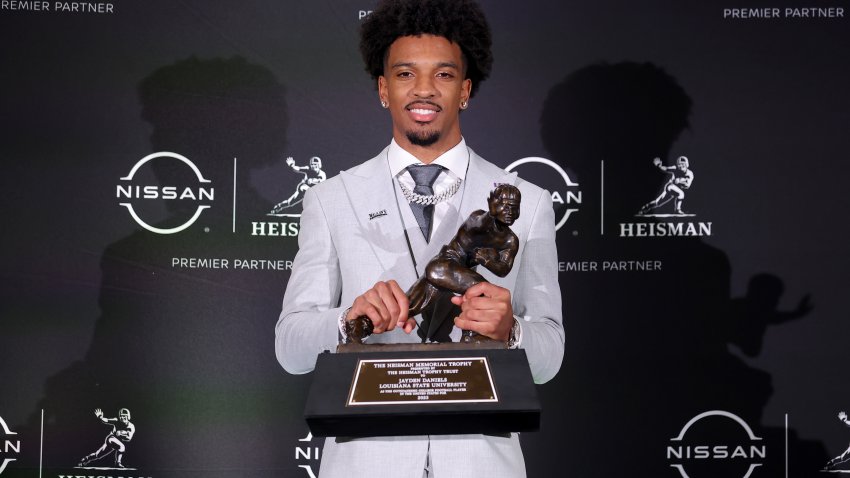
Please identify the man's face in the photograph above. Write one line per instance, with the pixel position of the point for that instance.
(423, 86)
(505, 208)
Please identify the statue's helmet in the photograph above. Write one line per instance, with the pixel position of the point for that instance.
(316, 161)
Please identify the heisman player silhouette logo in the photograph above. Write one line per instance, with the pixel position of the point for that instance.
(680, 179)
(841, 463)
(312, 175)
(116, 441)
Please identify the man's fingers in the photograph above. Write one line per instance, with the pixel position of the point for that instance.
(484, 304)
(488, 325)
(486, 289)
(376, 302)
(483, 315)
(485, 309)
(476, 290)
(386, 306)
(369, 305)
(483, 327)
(374, 314)
(401, 302)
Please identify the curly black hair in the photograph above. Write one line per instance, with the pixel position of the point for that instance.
(459, 21)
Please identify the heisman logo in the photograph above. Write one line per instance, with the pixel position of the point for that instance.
(679, 181)
(9, 445)
(311, 175)
(129, 191)
(834, 465)
(116, 441)
(566, 197)
(704, 455)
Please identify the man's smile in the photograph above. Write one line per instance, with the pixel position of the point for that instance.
(423, 112)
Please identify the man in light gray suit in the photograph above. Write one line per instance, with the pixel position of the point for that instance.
(367, 234)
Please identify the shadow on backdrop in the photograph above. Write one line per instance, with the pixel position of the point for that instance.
(189, 350)
(646, 350)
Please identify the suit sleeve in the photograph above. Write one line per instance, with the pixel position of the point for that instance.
(537, 296)
(308, 322)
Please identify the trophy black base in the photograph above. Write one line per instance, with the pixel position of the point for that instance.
(424, 391)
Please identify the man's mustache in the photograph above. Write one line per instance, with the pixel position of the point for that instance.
(414, 104)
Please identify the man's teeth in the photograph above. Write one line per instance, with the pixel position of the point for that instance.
(420, 111)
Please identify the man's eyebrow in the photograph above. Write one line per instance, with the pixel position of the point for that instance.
(410, 64)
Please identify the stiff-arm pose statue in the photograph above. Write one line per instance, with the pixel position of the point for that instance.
(485, 239)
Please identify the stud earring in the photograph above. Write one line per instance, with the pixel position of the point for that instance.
(464, 104)
(384, 104)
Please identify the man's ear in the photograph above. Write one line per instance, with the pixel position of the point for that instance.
(466, 90)
(382, 89)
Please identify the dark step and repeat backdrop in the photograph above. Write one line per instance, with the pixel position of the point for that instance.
(696, 153)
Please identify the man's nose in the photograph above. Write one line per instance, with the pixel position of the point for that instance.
(424, 87)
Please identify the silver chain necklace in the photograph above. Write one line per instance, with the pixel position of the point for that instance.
(431, 199)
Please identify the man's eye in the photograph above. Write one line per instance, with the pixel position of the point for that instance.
(405, 74)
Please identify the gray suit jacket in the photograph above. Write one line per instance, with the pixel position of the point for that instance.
(347, 243)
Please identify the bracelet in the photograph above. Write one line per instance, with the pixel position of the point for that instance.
(516, 335)
(342, 325)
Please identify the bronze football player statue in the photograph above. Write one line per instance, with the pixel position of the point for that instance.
(484, 239)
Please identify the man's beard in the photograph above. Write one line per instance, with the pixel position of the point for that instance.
(423, 138)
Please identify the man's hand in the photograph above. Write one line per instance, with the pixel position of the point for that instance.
(386, 305)
(486, 309)
(98, 413)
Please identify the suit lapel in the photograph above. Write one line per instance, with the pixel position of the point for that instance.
(369, 189)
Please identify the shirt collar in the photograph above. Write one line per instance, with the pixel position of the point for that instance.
(455, 160)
